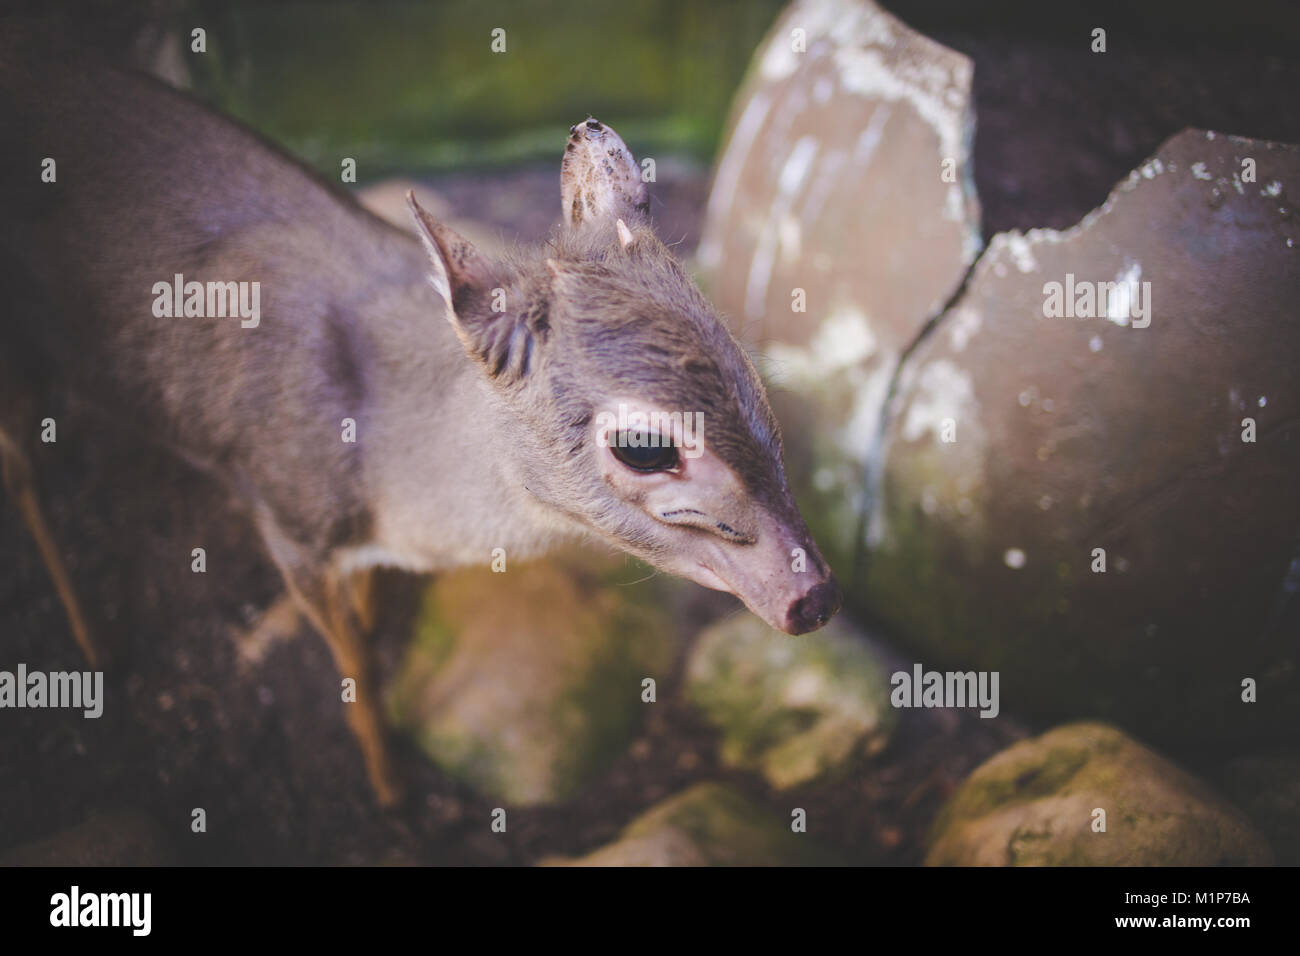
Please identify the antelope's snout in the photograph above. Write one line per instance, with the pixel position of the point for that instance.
(780, 575)
(784, 579)
(818, 605)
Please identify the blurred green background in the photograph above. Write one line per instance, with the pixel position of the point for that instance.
(406, 86)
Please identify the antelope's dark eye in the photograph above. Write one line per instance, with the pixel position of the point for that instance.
(645, 457)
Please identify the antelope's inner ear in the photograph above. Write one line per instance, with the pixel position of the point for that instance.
(457, 268)
(500, 335)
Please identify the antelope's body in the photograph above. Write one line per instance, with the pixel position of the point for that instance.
(150, 185)
(473, 388)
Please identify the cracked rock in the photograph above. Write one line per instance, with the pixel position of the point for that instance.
(1089, 472)
(844, 191)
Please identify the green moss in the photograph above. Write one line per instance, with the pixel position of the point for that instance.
(472, 760)
(527, 685)
(400, 86)
(603, 707)
(1033, 803)
(431, 646)
(793, 709)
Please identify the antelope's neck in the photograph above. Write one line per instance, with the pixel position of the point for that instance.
(437, 474)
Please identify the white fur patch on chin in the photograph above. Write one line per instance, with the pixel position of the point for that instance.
(707, 577)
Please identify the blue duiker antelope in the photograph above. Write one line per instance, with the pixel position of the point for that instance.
(497, 402)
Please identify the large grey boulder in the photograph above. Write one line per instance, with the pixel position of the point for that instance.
(845, 182)
(1156, 436)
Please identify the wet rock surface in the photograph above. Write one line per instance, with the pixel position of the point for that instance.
(1035, 804)
(1084, 405)
(841, 219)
(792, 710)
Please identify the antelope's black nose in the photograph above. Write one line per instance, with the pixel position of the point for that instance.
(815, 608)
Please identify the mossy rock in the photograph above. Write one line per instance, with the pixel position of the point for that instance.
(525, 684)
(792, 708)
(707, 825)
(1034, 805)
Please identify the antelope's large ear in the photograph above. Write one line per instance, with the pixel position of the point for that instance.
(500, 339)
(457, 270)
(600, 181)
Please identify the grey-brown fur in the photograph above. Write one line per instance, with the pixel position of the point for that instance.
(473, 426)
